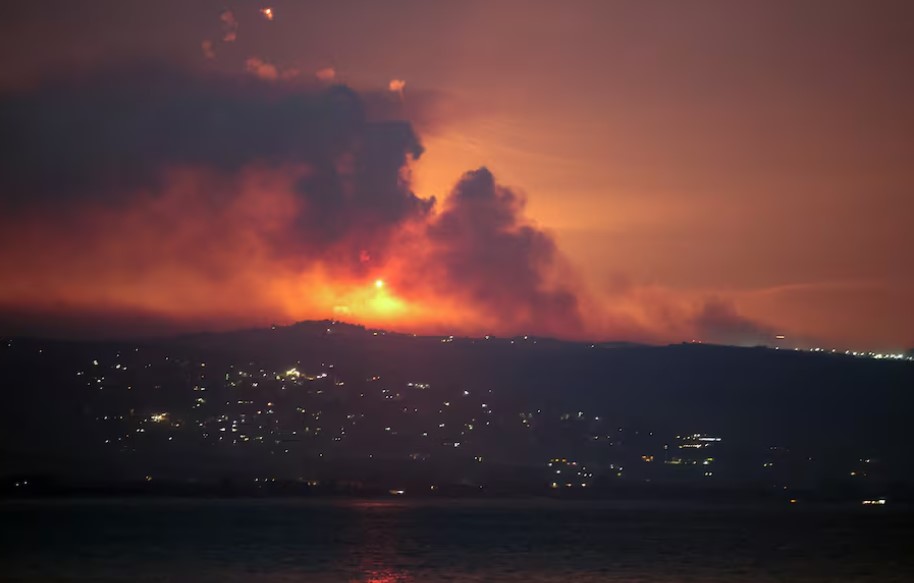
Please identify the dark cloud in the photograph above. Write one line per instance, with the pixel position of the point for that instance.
(115, 130)
(111, 134)
(487, 253)
(117, 136)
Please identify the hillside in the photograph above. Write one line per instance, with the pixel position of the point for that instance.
(324, 401)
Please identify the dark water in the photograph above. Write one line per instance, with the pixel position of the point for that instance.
(462, 541)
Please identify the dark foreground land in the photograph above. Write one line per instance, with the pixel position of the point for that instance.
(324, 408)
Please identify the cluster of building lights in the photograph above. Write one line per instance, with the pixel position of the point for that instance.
(862, 354)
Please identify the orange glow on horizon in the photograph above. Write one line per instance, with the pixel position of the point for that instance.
(215, 274)
(157, 259)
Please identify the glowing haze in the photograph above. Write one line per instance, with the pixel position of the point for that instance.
(597, 170)
(203, 196)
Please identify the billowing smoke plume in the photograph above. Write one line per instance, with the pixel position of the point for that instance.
(176, 200)
(113, 135)
(161, 167)
(501, 263)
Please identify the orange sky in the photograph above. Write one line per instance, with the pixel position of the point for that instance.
(755, 153)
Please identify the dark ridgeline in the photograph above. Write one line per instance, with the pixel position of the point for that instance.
(326, 407)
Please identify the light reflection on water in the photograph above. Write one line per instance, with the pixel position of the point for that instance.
(285, 541)
(377, 551)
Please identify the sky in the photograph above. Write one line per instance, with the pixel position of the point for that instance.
(648, 171)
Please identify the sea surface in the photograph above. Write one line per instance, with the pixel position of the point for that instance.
(278, 541)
